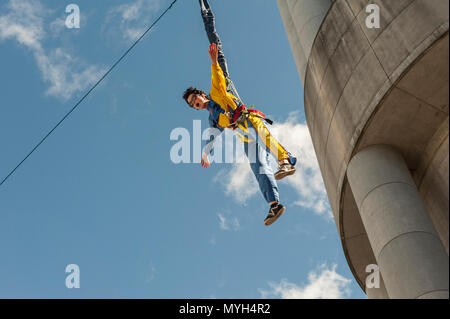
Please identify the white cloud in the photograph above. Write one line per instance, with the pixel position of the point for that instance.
(57, 26)
(237, 180)
(240, 183)
(324, 283)
(231, 223)
(23, 23)
(133, 18)
(66, 75)
(307, 181)
(58, 69)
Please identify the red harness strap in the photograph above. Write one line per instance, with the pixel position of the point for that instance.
(261, 114)
(237, 113)
(239, 110)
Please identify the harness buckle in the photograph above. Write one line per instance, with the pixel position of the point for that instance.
(240, 119)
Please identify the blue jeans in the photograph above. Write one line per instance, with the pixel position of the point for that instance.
(258, 155)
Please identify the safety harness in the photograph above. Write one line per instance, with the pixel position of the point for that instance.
(242, 113)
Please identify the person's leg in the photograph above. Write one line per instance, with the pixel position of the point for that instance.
(266, 138)
(258, 157)
(213, 36)
(259, 163)
(285, 159)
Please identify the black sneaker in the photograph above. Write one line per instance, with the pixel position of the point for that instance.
(284, 170)
(275, 212)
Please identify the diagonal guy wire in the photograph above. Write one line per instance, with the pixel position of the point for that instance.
(89, 92)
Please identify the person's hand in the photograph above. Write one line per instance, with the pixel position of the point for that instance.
(213, 53)
(205, 161)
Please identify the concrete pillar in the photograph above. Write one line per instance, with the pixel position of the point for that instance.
(302, 20)
(406, 246)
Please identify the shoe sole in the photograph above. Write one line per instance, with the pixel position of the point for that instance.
(285, 174)
(269, 222)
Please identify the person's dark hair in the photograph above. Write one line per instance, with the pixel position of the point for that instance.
(191, 90)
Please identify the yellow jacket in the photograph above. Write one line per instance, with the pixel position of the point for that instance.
(220, 95)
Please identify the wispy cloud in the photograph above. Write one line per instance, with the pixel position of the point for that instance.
(151, 272)
(24, 22)
(57, 26)
(231, 223)
(132, 19)
(212, 240)
(323, 283)
(239, 182)
(307, 181)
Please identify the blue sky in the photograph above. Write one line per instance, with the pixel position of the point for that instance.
(103, 193)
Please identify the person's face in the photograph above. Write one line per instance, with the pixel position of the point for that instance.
(197, 101)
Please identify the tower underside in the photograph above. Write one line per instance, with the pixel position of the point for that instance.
(367, 87)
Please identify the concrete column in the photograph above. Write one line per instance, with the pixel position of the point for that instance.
(406, 246)
(302, 20)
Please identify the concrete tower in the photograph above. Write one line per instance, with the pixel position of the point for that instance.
(377, 107)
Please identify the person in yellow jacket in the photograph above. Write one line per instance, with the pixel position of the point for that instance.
(226, 112)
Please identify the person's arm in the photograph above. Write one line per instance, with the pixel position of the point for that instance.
(215, 132)
(218, 78)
